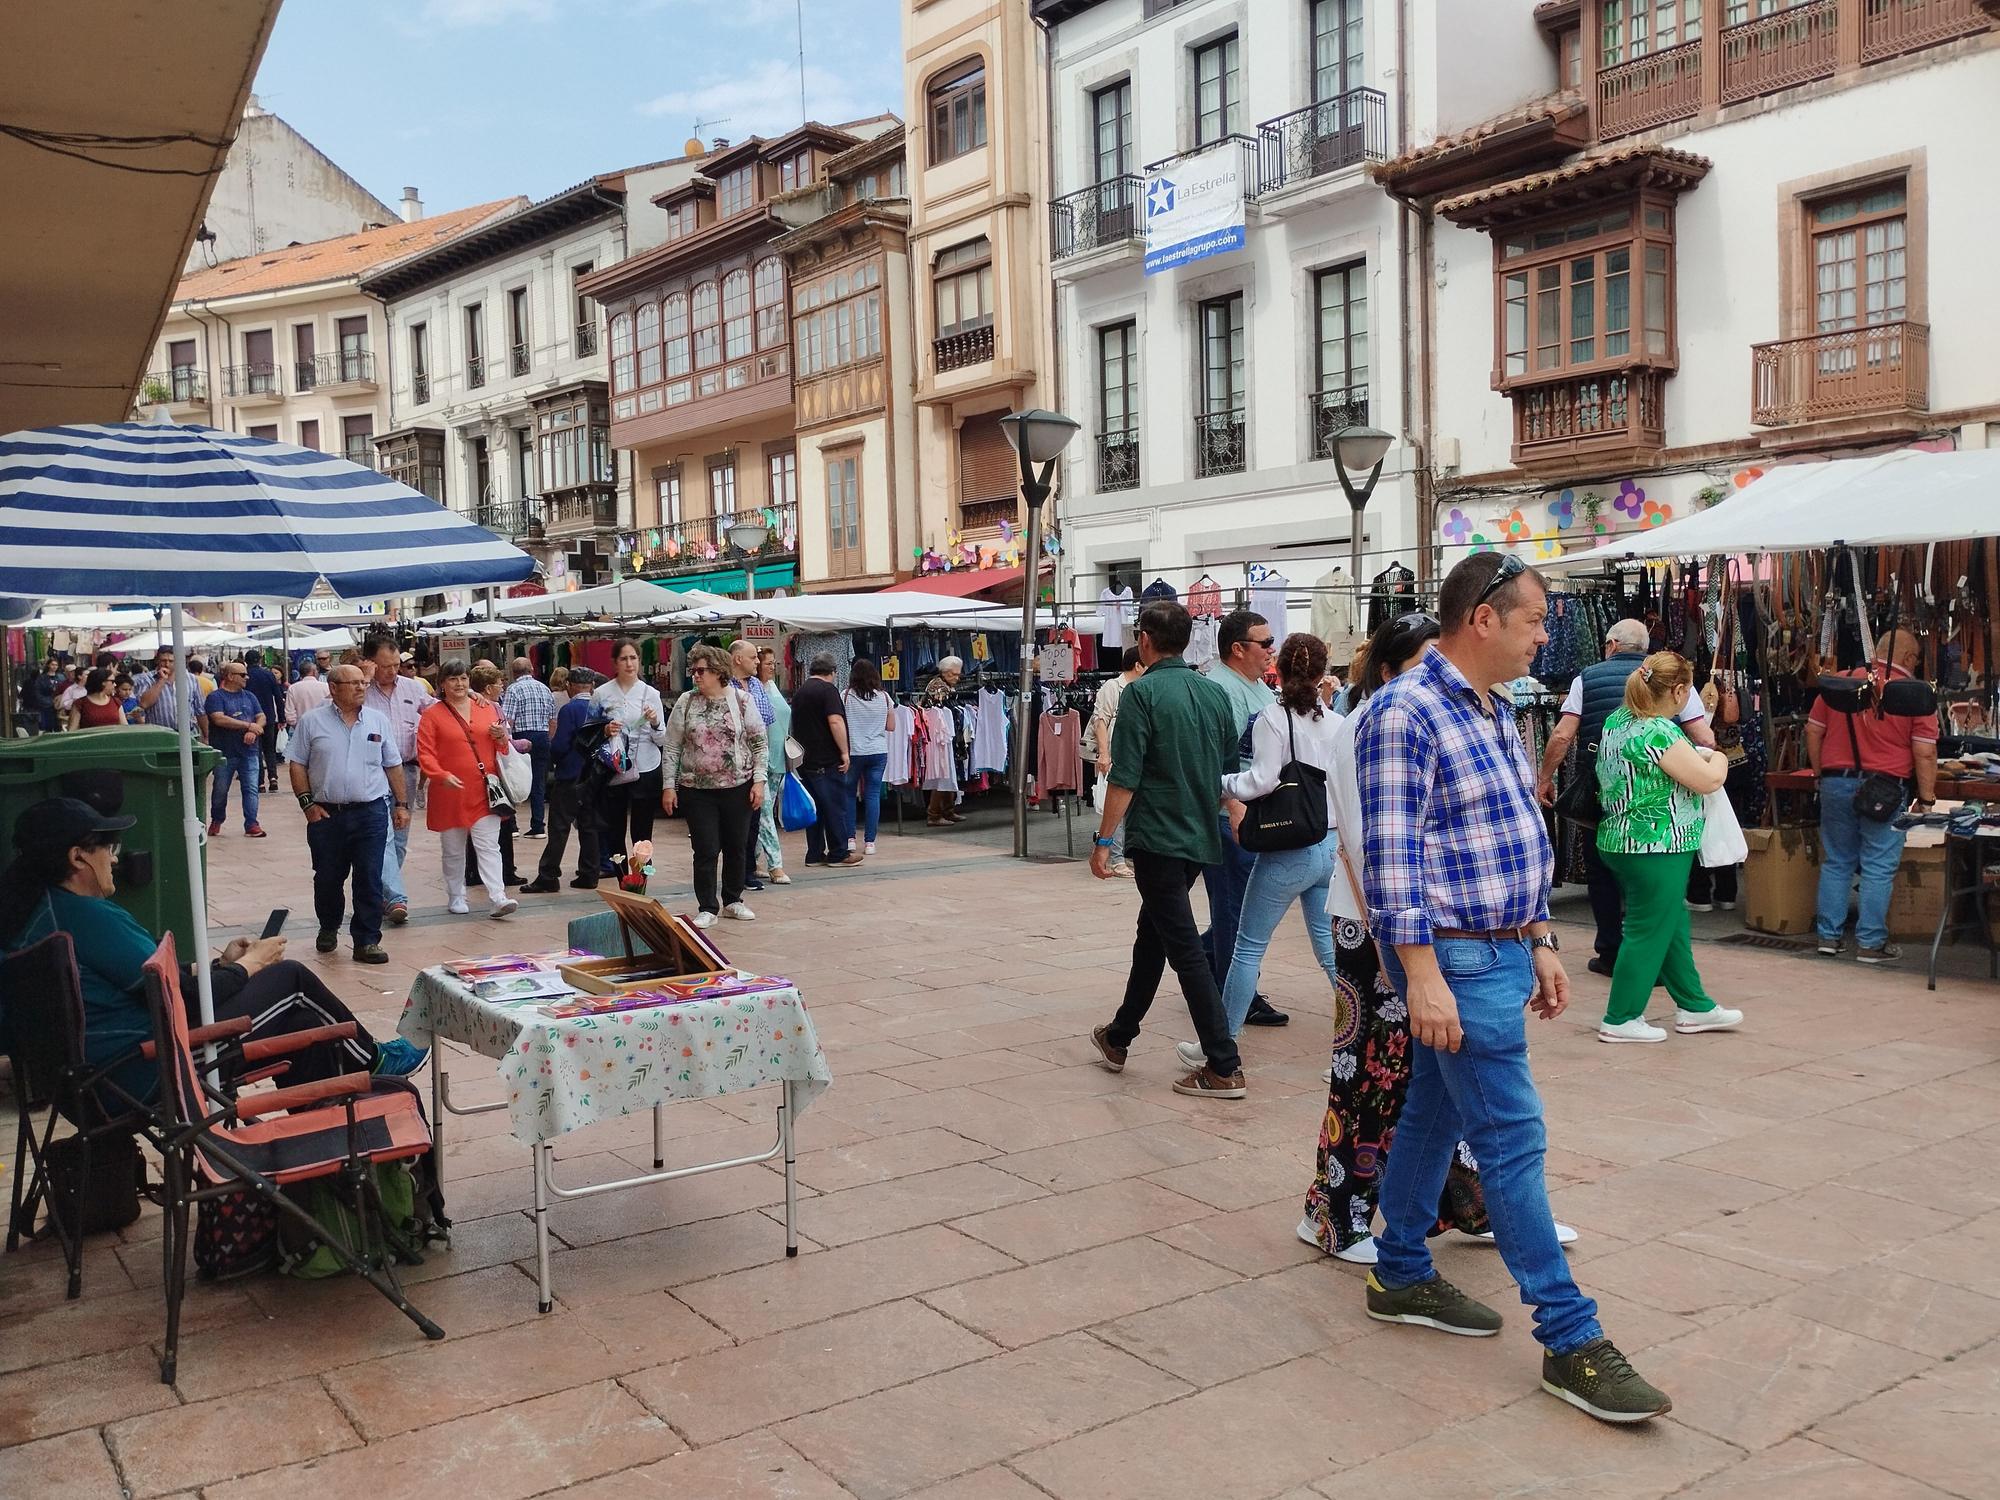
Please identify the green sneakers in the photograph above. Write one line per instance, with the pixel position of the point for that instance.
(1599, 1380)
(1431, 1304)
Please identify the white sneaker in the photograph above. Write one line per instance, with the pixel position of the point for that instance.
(1564, 1235)
(704, 919)
(458, 907)
(736, 911)
(868, 848)
(1699, 905)
(1630, 1031)
(1719, 1019)
(779, 877)
(1829, 947)
(1327, 1077)
(1190, 1054)
(1725, 906)
(1360, 1253)
(505, 908)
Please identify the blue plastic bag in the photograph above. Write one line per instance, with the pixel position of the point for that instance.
(796, 808)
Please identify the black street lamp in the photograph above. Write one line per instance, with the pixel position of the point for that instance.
(1039, 437)
(1355, 449)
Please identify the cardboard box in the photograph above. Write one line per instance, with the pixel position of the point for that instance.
(1917, 899)
(658, 945)
(1781, 880)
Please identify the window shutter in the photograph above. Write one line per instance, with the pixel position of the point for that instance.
(987, 467)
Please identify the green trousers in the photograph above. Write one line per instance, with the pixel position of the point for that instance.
(1657, 944)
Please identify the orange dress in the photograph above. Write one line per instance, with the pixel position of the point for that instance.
(442, 751)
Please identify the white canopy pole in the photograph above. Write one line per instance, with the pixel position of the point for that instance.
(192, 827)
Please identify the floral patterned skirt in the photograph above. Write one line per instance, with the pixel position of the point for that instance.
(1371, 1075)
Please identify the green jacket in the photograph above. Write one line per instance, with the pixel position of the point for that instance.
(1177, 738)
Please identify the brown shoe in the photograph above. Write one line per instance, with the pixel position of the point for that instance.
(854, 857)
(1113, 1056)
(1206, 1083)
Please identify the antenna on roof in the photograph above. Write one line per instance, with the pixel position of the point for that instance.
(800, 7)
(694, 146)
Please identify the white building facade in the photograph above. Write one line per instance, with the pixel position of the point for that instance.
(497, 388)
(1730, 235)
(1211, 393)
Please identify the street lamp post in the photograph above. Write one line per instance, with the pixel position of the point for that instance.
(1039, 437)
(1355, 449)
(746, 534)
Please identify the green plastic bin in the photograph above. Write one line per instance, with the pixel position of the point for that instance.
(119, 769)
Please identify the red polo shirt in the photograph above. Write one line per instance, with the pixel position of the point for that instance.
(1885, 739)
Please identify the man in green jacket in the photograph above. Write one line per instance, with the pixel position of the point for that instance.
(1176, 739)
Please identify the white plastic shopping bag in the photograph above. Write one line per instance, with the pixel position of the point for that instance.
(1722, 841)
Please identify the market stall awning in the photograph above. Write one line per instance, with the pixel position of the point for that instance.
(1906, 498)
(960, 583)
(879, 610)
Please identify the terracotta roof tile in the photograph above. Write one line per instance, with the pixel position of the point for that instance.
(1559, 107)
(345, 257)
(1693, 166)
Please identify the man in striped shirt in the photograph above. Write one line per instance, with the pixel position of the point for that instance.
(1457, 879)
(156, 698)
(530, 708)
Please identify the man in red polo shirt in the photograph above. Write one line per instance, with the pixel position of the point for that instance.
(1903, 748)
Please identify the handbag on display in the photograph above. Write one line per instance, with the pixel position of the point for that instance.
(1292, 815)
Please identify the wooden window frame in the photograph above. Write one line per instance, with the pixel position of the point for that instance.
(844, 557)
(1636, 237)
(646, 340)
(676, 339)
(1126, 334)
(958, 272)
(1350, 16)
(1859, 223)
(624, 358)
(1351, 274)
(953, 99)
(739, 325)
(348, 434)
(839, 322)
(1118, 93)
(667, 494)
(1238, 328)
(723, 464)
(1218, 47)
(1569, 58)
(1796, 201)
(705, 318)
(1639, 30)
(776, 470)
(192, 362)
(308, 433)
(736, 191)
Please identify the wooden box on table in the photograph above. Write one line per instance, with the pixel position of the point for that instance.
(658, 946)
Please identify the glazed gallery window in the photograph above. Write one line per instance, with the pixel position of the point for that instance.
(647, 326)
(1637, 28)
(736, 314)
(624, 367)
(843, 515)
(962, 284)
(1589, 291)
(957, 104)
(734, 191)
(770, 298)
(840, 319)
(707, 311)
(1218, 90)
(674, 329)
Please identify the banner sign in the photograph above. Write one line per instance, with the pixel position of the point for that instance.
(1195, 207)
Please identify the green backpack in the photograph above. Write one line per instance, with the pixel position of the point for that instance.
(308, 1256)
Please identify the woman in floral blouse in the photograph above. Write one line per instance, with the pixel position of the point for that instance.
(715, 764)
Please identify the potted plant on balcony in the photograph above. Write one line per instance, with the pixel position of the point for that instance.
(153, 391)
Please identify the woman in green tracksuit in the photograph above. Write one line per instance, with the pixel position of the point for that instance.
(1651, 779)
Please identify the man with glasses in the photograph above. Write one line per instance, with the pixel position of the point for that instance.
(1245, 645)
(156, 694)
(1457, 879)
(402, 701)
(346, 770)
(236, 724)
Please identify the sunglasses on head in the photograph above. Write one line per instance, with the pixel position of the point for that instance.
(1511, 567)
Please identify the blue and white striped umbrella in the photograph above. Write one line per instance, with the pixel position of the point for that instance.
(164, 513)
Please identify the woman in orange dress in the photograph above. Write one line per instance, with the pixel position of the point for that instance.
(458, 745)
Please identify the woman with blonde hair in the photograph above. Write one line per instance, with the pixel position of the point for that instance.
(1651, 779)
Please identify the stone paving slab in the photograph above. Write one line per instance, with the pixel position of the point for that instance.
(1022, 1276)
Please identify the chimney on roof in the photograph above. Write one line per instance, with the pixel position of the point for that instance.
(721, 143)
(251, 108)
(412, 207)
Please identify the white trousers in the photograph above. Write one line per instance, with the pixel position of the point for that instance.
(485, 836)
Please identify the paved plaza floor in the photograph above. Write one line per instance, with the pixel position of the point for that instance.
(1023, 1276)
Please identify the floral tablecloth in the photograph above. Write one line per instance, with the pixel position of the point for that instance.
(563, 1075)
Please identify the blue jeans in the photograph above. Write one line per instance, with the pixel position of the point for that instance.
(864, 775)
(244, 765)
(828, 838)
(1850, 842)
(538, 758)
(396, 847)
(345, 844)
(1276, 881)
(1224, 883)
(1484, 1094)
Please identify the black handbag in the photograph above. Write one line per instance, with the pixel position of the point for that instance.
(1292, 815)
(1880, 798)
(1578, 801)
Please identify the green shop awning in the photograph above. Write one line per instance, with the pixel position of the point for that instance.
(731, 582)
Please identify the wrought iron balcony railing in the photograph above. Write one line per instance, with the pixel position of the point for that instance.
(519, 359)
(1333, 411)
(1106, 213)
(182, 385)
(703, 541)
(475, 371)
(586, 340)
(1219, 446)
(1323, 138)
(260, 381)
(1854, 372)
(420, 386)
(511, 518)
(1118, 459)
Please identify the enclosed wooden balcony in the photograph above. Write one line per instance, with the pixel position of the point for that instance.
(1880, 370)
(1611, 414)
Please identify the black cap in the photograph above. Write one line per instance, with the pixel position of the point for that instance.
(63, 823)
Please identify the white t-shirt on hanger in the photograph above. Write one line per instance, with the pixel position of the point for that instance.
(1114, 618)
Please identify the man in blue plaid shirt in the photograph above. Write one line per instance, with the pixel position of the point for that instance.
(530, 708)
(1457, 879)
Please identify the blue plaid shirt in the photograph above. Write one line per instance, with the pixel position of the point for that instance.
(162, 711)
(528, 704)
(1453, 833)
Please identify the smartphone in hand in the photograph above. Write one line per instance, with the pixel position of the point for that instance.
(275, 923)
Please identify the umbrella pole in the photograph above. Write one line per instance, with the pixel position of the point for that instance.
(191, 826)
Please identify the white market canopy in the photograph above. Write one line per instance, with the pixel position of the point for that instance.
(1905, 498)
(879, 611)
(162, 640)
(96, 619)
(627, 599)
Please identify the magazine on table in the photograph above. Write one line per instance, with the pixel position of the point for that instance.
(513, 989)
(662, 994)
(471, 970)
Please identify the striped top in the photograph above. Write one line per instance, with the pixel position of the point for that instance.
(1646, 811)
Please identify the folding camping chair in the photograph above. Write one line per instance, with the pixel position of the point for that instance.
(44, 1000)
(339, 1128)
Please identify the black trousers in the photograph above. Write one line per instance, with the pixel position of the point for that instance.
(347, 844)
(267, 743)
(1607, 902)
(1167, 935)
(716, 818)
(567, 810)
(632, 806)
(750, 845)
(287, 997)
(1707, 886)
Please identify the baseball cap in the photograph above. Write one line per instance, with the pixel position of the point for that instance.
(63, 823)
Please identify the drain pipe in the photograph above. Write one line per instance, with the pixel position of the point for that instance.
(1418, 350)
(1031, 567)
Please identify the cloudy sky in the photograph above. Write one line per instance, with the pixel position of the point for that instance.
(472, 100)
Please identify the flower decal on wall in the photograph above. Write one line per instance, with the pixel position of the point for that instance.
(1516, 526)
(1656, 514)
(1548, 545)
(1747, 476)
(1457, 527)
(1562, 510)
(1480, 544)
(1630, 500)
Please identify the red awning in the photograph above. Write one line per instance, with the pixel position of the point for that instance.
(960, 583)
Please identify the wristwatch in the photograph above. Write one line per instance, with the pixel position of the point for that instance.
(1102, 842)
(306, 801)
(1546, 940)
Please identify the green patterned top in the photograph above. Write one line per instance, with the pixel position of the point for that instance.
(1646, 811)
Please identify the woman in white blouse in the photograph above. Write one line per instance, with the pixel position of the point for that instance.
(636, 726)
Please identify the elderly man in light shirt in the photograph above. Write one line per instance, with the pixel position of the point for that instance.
(401, 700)
(352, 788)
(305, 695)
